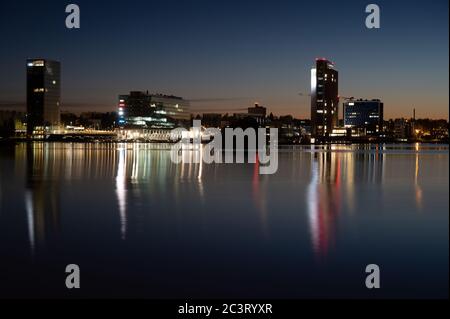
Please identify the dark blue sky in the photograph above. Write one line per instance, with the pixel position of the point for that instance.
(228, 54)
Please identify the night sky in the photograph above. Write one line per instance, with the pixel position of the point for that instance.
(226, 54)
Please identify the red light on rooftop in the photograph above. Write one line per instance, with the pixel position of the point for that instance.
(325, 60)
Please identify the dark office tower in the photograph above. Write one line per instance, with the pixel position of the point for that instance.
(364, 117)
(43, 95)
(324, 98)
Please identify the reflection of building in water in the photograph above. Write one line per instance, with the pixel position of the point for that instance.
(369, 166)
(144, 169)
(42, 195)
(121, 191)
(323, 197)
(46, 165)
(417, 187)
(259, 194)
(335, 176)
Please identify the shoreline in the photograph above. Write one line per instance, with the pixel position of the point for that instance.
(4, 141)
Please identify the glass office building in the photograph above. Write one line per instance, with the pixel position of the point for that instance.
(365, 115)
(144, 110)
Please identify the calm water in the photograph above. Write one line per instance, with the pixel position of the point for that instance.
(140, 226)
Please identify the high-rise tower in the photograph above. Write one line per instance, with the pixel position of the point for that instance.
(43, 95)
(324, 98)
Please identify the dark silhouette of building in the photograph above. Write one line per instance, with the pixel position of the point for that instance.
(211, 119)
(258, 113)
(43, 95)
(324, 98)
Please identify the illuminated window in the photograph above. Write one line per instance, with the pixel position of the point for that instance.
(36, 63)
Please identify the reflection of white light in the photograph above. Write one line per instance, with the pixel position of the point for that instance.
(135, 168)
(30, 219)
(313, 203)
(121, 191)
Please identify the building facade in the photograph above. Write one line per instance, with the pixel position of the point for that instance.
(144, 110)
(43, 95)
(258, 113)
(324, 98)
(366, 116)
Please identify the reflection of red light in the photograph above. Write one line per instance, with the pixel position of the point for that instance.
(121, 105)
(256, 172)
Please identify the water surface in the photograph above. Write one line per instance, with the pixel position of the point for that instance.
(140, 226)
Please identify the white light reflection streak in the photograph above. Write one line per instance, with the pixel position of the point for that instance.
(121, 191)
(30, 219)
(313, 204)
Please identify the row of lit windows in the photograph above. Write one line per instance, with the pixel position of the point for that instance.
(36, 63)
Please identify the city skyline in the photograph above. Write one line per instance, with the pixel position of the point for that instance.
(199, 57)
(215, 158)
(338, 110)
